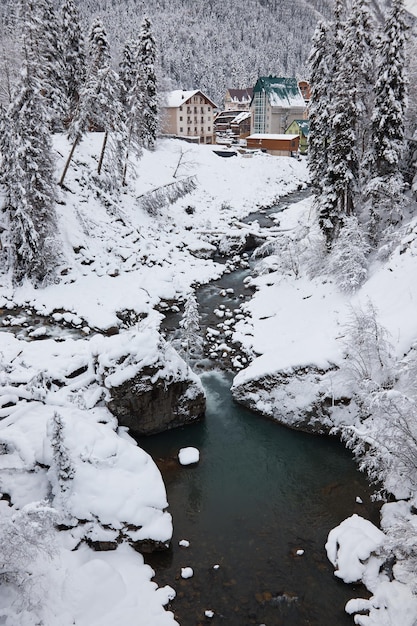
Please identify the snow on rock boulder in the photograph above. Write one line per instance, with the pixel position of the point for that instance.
(151, 388)
(391, 603)
(187, 572)
(188, 456)
(105, 488)
(304, 398)
(140, 377)
(351, 548)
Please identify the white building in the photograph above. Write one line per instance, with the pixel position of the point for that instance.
(188, 114)
(276, 103)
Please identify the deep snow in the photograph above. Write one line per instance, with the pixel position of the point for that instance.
(119, 263)
(119, 266)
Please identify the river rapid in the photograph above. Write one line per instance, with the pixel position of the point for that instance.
(259, 505)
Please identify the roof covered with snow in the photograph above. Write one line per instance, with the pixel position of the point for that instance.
(241, 117)
(241, 95)
(281, 92)
(176, 98)
(275, 136)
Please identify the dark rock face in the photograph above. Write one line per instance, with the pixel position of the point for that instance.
(144, 546)
(148, 406)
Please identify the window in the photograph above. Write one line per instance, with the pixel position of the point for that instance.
(208, 108)
(209, 128)
(181, 129)
(180, 118)
(181, 108)
(202, 109)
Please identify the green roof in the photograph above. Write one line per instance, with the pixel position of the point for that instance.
(281, 92)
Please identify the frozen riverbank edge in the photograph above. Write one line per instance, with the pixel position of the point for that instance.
(121, 269)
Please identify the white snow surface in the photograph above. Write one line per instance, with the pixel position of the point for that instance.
(116, 258)
(187, 572)
(350, 547)
(188, 456)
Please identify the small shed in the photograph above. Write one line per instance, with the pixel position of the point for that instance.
(277, 144)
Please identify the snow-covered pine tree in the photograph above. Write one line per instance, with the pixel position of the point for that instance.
(28, 177)
(127, 71)
(360, 51)
(43, 43)
(325, 63)
(99, 107)
(190, 337)
(4, 139)
(390, 95)
(132, 95)
(147, 58)
(385, 186)
(73, 52)
(319, 107)
(343, 165)
(61, 467)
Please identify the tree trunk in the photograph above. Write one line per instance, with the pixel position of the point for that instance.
(103, 150)
(67, 164)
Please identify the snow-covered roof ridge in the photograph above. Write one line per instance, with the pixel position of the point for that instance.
(244, 115)
(174, 99)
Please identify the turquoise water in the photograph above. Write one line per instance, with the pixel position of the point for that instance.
(259, 493)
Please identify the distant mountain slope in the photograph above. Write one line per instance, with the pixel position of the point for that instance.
(214, 44)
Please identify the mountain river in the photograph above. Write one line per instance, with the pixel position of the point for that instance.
(256, 510)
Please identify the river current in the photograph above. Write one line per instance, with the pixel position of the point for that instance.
(260, 505)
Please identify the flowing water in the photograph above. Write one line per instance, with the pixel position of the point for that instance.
(259, 494)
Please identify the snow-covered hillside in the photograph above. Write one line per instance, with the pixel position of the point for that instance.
(64, 459)
(121, 268)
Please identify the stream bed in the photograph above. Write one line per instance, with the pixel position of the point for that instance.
(259, 505)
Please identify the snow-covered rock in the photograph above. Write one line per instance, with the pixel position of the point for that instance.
(114, 492)
(187, 572)
(154, 389)
(188, 456)
(352, 546)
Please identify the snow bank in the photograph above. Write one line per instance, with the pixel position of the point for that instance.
(118, 265)
(119, 258)
(392, 603)
(116, 486)
(351, 547)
